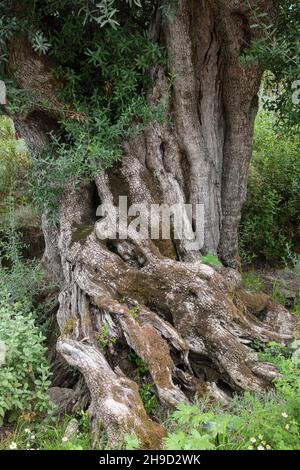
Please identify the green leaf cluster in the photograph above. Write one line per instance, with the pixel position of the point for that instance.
(24, 374)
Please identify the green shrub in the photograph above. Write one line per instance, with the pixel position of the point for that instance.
(13, 155)
(22, 279)
(211, 260)
(263, 421)
(271, 217)
(103, 82)
(104, 90)
(24, 374)
(198, 430)
(274, 415)
(148, 397)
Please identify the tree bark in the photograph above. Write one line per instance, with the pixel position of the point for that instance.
(193, 325)
(214, 103)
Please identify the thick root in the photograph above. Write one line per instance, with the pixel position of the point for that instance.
(115, 402)
(192, 325)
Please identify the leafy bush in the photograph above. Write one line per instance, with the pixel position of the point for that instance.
(104, 81)
(211, 260)
(23, 282)
(271, 218)
(104, 88)
(13, 155)
(24, 375)
(198, 431)
(277, 50)
(261, 421)
(148, 397)
(39, 43)
(22, 279)
(276, 414)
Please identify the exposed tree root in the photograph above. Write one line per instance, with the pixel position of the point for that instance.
(192, 325)
(115, 401)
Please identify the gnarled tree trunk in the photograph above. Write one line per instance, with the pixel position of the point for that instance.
(193, 325)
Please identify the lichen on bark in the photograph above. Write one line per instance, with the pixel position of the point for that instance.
(196, 324)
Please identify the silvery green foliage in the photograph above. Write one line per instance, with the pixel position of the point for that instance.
(40, 43)
(24, 375)
(7, 27)
(169, 7)
(134, 2)
(277, 50)
(104, 12)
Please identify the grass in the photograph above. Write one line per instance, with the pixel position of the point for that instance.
(264, 421)
(252, 281)
(46, 435)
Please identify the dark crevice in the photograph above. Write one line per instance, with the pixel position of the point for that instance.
(225, 387)
(128, 252)
(164, 312)
(186, 170)
(80, 231)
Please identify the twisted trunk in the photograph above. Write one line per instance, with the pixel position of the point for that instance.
(193, 325)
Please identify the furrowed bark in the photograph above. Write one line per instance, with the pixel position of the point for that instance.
(191, 324)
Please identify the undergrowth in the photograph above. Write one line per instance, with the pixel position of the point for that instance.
(270, 220)
(262, 421)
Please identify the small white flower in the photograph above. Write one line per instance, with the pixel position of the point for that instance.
(287, 427)
(285, 415)
(260, 436)
(27, 431)
(260, 448)
(13, 446)
(268, 447)
(32, 437)
(253, 440)
(64, 439)
(250, 447)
